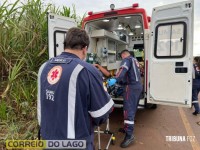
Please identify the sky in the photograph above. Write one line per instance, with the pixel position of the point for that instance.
(83, 6)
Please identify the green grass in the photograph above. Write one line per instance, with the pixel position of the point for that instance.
(23, 48)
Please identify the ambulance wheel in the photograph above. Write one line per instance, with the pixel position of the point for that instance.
(151, 106)
(154, 106)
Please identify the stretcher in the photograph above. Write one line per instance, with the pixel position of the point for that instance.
(107, 129)
(107, 132)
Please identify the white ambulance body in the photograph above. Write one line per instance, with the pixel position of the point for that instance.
(162, 45)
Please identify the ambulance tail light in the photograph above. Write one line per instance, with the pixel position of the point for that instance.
(135, 5)
(90, 13)
(149, 18)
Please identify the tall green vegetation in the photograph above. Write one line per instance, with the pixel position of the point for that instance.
(23, 48)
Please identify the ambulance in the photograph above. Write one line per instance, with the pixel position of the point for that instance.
(162, 43)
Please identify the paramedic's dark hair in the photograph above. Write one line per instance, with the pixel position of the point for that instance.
(130, 52)
(124, 51)
(197, 59)
(76, 39)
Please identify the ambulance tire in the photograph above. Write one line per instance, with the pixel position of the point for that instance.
(149, 105)
(154, 106)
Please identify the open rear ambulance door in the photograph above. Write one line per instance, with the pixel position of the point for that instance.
(171, 54)
(57, 30)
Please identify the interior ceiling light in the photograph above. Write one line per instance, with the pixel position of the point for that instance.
(141, 32)
(138, 26)
(127, 17)
(106, 20)
(120, 27)
(131, 33)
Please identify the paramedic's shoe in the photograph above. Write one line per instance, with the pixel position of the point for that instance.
(195, 113)
(127, 141)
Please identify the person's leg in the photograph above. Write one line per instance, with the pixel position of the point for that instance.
(128, 118)
(129, 110)
(198, 91)
(195, 101)
(130, 107)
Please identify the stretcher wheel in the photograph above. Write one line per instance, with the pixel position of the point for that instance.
(113, 140)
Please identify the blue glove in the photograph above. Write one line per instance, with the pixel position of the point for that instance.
(111, 81)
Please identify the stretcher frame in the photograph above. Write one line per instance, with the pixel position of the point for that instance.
(106, 131)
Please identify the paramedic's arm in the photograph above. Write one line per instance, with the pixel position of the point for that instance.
(38, 94)
(103, 70)
(101, 104)
(125, 65)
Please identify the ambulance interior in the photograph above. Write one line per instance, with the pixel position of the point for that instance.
(109, 36)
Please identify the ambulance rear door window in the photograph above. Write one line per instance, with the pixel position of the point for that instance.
(170, 40)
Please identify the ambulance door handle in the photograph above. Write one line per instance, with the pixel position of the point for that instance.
(181, 39)
(179, 67)
(181, 70)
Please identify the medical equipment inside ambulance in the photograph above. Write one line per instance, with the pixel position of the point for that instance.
(108, 37)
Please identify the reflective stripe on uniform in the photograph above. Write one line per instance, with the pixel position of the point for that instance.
(196, 101)
(124, 66)
(134, 68)
(72, 101)
(128, 122)
(39, 94)
(103, 110)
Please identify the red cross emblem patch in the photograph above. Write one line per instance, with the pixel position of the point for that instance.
(54, 75)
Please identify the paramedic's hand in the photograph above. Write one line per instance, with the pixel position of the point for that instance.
(96, 65)
(111, 81)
